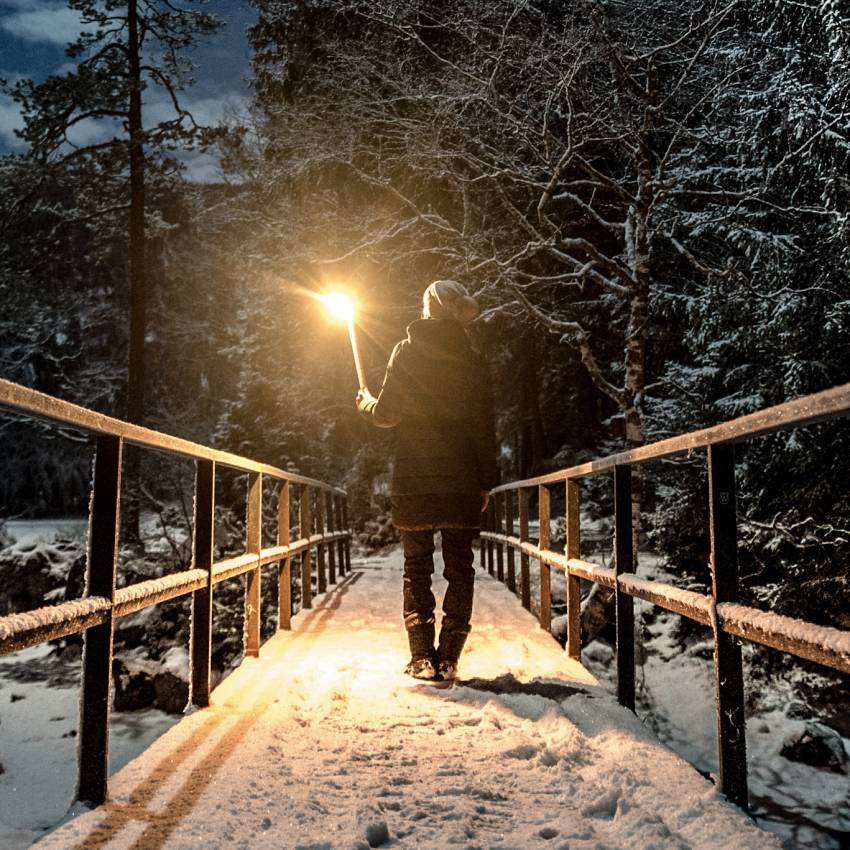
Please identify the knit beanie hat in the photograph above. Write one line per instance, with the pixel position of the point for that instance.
(448, 299)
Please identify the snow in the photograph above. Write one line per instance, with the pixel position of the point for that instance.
(175, 661)
(835, 641)
(74, 609)
(26, 532)
(38, 745)
(139, 593)
(806, 806)
(323, 743)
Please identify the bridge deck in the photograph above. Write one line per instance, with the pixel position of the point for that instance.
(322, 744)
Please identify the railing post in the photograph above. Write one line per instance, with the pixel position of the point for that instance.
(624, 563)
(482, 543)
(254, 533)
(284, 580)
(97, 655)
(572, 549)
(202, 559)
(340, 526)
(490, 526)
(544, 513)
(347, 527)
(321, 566)
(509, 530)
(498, 523)
(329, 506)
(524, 571)
(304, 530)
(728, 667)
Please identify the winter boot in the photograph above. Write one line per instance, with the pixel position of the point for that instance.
(451, 646)
(421, 668)
(447, 670)
(420, 636)
(423, 664)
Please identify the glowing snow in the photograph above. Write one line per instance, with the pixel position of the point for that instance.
(322, 741)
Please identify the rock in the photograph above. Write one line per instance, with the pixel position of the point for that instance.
(25, 578)
(136, 628)
(817, 745)
(75, 584)
(172, 692)
(597, 613)
(72, 651)
(377, 833)
(134, 687)
(31, 570)
(798, 711)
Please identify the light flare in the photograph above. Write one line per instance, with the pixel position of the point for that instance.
(339, 306)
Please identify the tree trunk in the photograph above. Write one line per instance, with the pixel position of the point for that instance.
(136, 270)
(598, 608)
(533, 443)
(640, 253)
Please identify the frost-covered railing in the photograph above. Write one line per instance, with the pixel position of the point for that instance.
(322, 524)
(721, 610)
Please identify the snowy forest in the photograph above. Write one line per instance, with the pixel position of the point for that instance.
(650, 200)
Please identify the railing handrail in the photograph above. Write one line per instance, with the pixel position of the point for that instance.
(19, 399)
(323, 526)
(720, 610)
(829, 404)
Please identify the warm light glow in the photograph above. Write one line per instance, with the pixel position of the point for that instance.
(339, 306)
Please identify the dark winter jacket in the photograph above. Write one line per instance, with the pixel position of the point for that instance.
(436, 392)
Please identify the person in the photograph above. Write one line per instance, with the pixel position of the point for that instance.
(436, 393)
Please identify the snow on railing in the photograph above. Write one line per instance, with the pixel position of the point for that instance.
(322, 526)
(721, 610)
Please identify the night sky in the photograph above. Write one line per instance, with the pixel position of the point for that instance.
(34, 33)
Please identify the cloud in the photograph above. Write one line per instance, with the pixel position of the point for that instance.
(202, 167)
(207, 111)
(157, 106)
(10, 120)
(39, 22)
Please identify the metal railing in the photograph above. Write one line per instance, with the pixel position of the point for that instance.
(322, 525)
(721, 610)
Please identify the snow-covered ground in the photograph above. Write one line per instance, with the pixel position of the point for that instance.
(39, 717)
(38, 743)
(30, 531)
(322, 743)
(807, 806)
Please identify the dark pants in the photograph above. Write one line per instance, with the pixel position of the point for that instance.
(419, 602)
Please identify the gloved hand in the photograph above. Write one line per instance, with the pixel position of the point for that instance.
(365, 401)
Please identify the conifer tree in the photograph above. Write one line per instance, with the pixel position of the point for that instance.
(126, 49)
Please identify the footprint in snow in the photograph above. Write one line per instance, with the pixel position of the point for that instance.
(471, 791)
(548, 758)
(523, 752)
(604, 807)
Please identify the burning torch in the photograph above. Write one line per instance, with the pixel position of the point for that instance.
(342, 307)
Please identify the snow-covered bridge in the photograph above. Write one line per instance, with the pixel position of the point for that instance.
(323, 743)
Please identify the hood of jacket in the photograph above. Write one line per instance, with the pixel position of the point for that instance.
(438, 339)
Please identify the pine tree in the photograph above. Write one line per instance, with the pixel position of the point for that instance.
(126, 47)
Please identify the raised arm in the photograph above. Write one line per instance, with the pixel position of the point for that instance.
(385, 411)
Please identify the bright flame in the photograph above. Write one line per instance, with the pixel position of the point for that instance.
(339, 306)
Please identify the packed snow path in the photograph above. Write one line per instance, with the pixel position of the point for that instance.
(322, 744)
